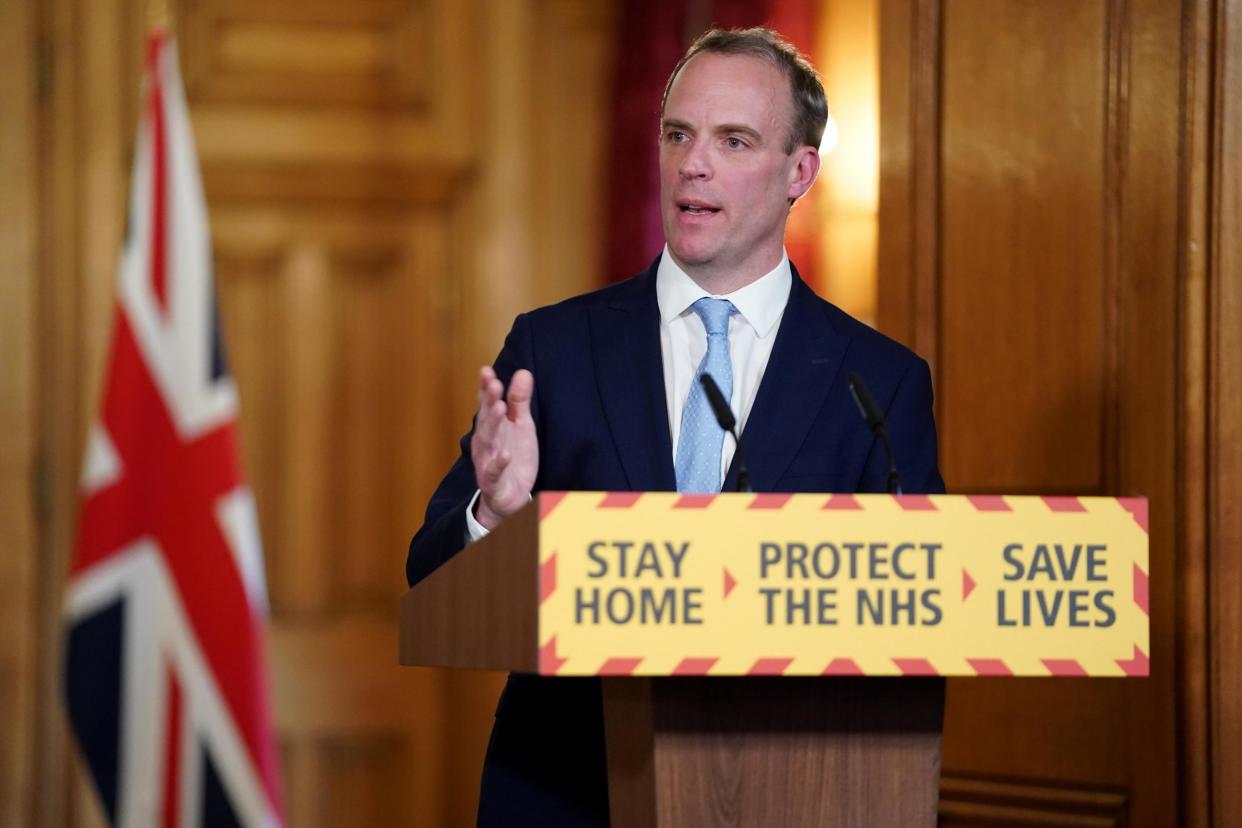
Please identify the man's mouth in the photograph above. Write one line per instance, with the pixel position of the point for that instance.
(696, 208)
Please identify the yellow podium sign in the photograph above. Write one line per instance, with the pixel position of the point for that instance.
(813, 584)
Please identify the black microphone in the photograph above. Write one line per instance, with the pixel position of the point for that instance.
(874, 417)
(724, 416)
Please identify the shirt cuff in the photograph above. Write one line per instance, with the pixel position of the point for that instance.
(474, 529)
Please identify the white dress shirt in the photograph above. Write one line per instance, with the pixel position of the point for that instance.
(683, 342)
(683, 339)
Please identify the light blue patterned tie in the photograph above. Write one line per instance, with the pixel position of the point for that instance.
(701, 437)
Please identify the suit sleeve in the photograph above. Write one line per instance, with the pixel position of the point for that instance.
(911, 428)
(443, 533)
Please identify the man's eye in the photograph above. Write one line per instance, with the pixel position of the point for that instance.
(677, 137)
(733, 142)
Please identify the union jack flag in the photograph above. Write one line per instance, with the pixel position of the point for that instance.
(164, 671)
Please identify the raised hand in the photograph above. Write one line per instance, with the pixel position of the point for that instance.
(504, 448)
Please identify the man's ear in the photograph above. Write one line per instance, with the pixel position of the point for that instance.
(804, 171)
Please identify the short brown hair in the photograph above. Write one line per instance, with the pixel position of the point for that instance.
(810, 105)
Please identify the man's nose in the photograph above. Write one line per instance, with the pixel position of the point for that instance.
(695, 163)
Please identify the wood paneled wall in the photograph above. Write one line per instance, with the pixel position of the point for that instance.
(1057, 237)
(19, 573)
(389, 182)
(1213, 325)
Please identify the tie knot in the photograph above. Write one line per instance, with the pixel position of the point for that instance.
(715, 314)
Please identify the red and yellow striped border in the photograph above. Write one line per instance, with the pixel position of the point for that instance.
(637, 513)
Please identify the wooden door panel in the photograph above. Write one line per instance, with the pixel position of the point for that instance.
(1022, 282)
(338, 351)
(334, 205)
(360, 736)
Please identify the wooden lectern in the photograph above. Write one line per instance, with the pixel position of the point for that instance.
(699, 750)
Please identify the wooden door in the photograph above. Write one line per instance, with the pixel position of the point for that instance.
(1044, 211)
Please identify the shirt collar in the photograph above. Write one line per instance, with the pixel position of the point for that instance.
(760, 303)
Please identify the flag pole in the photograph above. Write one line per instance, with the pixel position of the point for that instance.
(159, 15)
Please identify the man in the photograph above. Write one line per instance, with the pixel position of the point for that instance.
(603, 395)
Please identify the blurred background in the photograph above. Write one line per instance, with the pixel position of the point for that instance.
(1042, 199)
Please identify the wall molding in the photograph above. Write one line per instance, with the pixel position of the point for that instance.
(974, 799)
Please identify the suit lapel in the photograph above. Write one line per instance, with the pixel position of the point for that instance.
(625, 342)
(805, 358)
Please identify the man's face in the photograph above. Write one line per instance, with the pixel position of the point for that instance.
(725, 179)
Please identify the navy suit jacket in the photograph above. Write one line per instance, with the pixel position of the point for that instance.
(602, 418)
(600, 410)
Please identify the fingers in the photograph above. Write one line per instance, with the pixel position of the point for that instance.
(490, 388)
(487, 445)
(491, 391)
(490, 442)
(521, 387)
(503, 431)
(491, 406)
